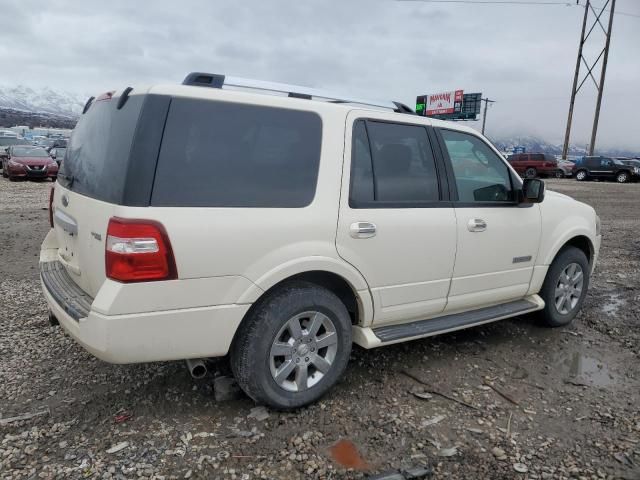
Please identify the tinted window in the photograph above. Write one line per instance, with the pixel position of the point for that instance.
(392, 163)
(97, 155)
(219, 154)
(481, 176)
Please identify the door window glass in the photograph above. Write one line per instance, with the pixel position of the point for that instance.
(481, 176)
(392, 163)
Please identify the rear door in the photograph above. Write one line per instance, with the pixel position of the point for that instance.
(395, 225)
(497, 239)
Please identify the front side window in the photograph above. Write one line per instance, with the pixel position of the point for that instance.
(480, 174)
(392, 164)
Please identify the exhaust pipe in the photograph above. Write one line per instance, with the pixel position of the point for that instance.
(197, 368)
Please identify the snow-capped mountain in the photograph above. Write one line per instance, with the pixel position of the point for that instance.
(43, 100)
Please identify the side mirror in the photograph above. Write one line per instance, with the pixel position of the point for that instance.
(532, 190)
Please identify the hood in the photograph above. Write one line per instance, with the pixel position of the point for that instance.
(33, 161)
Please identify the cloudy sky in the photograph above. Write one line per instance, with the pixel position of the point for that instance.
(521, 56)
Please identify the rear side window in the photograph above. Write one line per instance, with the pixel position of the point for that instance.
(220, 154)
(392, 165)
(97, 156)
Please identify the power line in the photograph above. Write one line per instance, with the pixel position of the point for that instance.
(566, 3)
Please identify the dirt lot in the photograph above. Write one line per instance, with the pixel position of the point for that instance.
(540, 403)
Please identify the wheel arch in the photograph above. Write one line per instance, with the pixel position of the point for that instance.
(335, 275)
(581, 242)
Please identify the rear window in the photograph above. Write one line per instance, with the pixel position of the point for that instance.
(220, 154)
(97, 155)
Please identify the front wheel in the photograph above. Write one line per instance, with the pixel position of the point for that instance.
(293, 347)
(530, 173)
(581, 176)
(559, 174)
(565, 287)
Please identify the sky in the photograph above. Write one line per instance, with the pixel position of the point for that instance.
(521, 56)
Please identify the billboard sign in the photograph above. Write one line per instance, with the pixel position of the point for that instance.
(455, 105)
(444, 103)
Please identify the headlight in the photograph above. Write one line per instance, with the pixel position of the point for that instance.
(636, 170)
(13, 163)
(598, 225)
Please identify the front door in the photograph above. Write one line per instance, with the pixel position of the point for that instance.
(498, 239)
(393, 225)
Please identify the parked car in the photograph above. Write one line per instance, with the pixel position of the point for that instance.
(57, 143)
(532, 165)
(6, 142)
(25, 161)
(309, 225)
(566, 167)
(57, 153)
(605, 168)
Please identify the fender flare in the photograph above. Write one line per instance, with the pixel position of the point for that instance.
(315, 264)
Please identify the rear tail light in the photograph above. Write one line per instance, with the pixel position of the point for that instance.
(138, 251)
(51, 193)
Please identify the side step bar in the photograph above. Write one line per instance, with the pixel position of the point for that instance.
(454, 321)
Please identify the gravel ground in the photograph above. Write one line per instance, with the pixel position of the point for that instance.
(514, 400)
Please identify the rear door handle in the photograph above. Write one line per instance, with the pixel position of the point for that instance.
(362, 230)
(476, 225)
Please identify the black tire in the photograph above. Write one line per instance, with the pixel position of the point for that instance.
(622, 177)
(550, 315)
(582, 175)
(530, 173)
(559, 174)
(251, 348)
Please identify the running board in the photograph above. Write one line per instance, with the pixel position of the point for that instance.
(456, 321)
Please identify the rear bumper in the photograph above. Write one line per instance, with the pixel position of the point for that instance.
(141, 337)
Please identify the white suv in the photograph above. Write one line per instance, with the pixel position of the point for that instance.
(279, 225)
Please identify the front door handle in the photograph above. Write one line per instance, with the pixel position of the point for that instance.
(476, 225)
(362, 230)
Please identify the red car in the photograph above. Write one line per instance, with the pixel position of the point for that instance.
(28, 162)
(531, 165)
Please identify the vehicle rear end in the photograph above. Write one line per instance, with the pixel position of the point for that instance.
(549, 166)
(153, 253)
(107, 266)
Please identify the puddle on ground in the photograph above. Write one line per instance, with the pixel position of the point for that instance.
(345, 453)
(583, 369)
(615, 302)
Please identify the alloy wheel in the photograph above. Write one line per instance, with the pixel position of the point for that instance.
(569, 288)
(303, 351)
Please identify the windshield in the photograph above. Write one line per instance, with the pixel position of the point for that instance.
(29, 152)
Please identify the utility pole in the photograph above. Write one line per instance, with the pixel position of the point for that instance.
(484, 114)
(596, 118)
(599, 86)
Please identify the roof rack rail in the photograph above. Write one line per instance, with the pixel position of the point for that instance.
(213, 80)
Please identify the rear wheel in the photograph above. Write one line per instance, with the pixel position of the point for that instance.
(581, 175)
(565, 287)
(622, 177)
(530, 173)
(293, 347)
